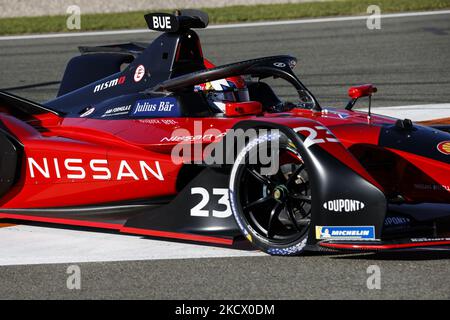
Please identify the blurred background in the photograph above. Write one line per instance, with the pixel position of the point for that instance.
(404, 55)
(29, 8)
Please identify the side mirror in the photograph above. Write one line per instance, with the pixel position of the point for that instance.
(365, 90)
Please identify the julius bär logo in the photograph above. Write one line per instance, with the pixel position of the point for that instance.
(444, 147)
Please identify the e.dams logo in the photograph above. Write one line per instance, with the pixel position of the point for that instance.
(139, 73)
(444, 147)
(344, 205)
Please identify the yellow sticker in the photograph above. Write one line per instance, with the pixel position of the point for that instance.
(318, 232)
(444, 147)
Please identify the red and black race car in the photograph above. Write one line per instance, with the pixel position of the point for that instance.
(155, 140)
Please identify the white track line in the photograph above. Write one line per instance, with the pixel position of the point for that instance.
(422, 112)
(227, 26)
(24, 244)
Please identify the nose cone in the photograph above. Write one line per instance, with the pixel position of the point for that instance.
(419, 140)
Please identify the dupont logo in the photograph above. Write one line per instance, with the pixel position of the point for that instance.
(343, 205)
(109, 84)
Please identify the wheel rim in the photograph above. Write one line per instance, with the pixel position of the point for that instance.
(277, 207)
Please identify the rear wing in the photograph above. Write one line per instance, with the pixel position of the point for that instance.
(180, 20)
(18, 105)
(133, 48)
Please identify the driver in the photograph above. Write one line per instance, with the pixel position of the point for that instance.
(228, 95)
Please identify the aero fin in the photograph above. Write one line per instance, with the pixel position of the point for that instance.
(16, 104)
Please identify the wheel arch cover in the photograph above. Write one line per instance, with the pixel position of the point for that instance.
(331, 180)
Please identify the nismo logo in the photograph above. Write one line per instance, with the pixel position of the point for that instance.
(109, 84)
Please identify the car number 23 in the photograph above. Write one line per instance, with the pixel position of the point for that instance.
(199, 209)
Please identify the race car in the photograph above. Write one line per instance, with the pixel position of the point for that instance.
(156, 140)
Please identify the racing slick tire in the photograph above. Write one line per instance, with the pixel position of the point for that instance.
(273, 211)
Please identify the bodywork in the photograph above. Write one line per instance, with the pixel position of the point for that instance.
(91, 158)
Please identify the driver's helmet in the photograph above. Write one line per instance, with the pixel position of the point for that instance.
(221, 92)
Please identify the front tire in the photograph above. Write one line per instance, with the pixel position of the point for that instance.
(272, 210)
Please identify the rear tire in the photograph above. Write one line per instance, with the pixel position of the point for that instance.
(273, 210)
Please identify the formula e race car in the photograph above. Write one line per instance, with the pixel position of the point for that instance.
(157, 141)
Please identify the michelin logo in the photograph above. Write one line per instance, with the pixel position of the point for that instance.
(345, 233)
(344, 205)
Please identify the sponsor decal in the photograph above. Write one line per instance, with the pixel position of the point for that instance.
(156, 107)
(345, 232)
(95, 169)
(444, 147)
(87, 112)
(429, 239)
(279, 64)
(139, 73)
(168, 122)
(396, 221)
(109, 84)
(292, 64)
(117, 111)
(343, 205)
(432, 187)
(200, 137)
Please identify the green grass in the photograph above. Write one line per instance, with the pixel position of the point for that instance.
(133, 20)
